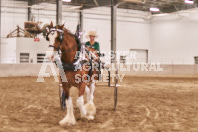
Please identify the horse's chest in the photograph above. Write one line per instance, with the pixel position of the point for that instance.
(70, 76)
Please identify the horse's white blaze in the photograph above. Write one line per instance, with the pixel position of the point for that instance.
(50, 54)
(69, 118)
(52, 36)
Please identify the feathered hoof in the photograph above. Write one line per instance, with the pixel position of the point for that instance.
(90, 117)
(91, 109)
(67, 122)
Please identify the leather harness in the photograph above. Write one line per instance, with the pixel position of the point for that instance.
(78, 63)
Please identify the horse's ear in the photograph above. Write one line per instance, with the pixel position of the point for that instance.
(51, 24)
(62, 26)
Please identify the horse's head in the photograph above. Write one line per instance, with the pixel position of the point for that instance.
(61, 39)
(55, 36)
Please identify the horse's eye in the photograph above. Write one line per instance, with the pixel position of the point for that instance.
(47, 29)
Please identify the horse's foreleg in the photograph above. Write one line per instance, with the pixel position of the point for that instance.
(69, 118)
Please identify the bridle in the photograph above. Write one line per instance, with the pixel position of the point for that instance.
(61, 32)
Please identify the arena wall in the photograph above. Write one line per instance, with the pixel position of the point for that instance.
(174, 38)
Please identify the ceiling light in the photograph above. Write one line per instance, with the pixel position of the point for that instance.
(67, 0)
(154, 9)
(189, 1)
(75, 7)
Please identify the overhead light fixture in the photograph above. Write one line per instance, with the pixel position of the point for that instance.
(75, 7)
(189, 1)
(67, 0)
(154, 9)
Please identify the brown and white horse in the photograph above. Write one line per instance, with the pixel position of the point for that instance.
(61, 39)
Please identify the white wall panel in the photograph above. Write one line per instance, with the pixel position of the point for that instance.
(8, 51)
(133, 31)
(28, 45)
(12, 48)
(133, 35)
(174, 38)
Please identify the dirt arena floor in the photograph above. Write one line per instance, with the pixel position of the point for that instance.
(145, 104)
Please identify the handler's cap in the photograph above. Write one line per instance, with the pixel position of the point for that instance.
(92, 33)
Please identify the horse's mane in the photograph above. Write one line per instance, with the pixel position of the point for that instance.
(69, 32)
(73, 35)
(66, 30)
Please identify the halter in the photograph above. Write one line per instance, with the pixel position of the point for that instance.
(60, 37)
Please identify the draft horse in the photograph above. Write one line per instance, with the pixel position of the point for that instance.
(62, 40)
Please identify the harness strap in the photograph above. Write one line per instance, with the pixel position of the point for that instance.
(54, 47)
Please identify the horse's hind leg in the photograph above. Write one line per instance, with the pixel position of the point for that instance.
(91, 93)
(90, 107)
(80, 103)
(87, 91)
(69, 118)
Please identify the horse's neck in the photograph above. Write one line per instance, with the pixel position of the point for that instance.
(69, 48)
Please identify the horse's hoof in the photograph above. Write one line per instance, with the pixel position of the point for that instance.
(90, 117)
(67, 122)
(91, 109)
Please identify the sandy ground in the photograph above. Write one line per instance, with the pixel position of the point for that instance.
(145, 104)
